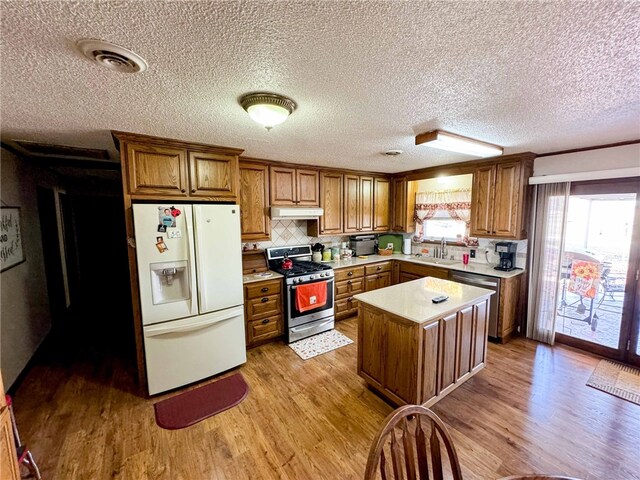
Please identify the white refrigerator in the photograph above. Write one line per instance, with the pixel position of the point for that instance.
(190, 278)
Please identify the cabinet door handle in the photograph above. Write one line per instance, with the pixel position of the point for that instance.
(193, 190)
(379, 268)
(265, 299)
(264, 289)
(350, 299)
(183, 190)
(349, 282)
(349, 274)
(265, 321)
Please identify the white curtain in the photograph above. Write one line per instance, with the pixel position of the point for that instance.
(547, 243)
(457, 203)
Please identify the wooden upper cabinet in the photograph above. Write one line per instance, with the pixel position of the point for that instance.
(351, 203)
(403, 205)
(254, 201)
(294, 186)
(156, 170)
(366, 204)
(381, 200)
(307, 188)
(282, 185)
(214, 175)
(482, 201)
(399, 192)
(331, 196)
(498, 200)
(506, 199)
(359, 206)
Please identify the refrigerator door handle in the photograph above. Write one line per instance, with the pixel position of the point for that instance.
(190, 239)
(200, 323)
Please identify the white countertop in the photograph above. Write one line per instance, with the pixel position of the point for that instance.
(258, 278)
(472, 267)
(412, 300)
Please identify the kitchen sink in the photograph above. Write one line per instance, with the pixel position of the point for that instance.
(437, 261)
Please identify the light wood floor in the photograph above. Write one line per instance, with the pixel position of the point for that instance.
(528, 411)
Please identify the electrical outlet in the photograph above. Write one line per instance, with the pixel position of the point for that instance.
(472, 253)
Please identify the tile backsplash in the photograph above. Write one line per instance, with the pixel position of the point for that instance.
(483, 245)
(294, 232)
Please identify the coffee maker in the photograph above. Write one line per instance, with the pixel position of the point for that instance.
(507, 251)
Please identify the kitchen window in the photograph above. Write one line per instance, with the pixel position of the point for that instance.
(444, 213)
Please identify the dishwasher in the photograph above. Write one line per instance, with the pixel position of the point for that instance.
(482, 281)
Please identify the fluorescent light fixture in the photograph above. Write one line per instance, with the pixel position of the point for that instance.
(457, 143)
(267, 109)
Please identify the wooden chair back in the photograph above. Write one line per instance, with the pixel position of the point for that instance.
(408, 446)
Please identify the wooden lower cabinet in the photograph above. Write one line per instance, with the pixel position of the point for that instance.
(412, 271)
(9, 469)
(508, 303)
(377, 275)
(263, 311)
(351, 281)
(414, 363)
(348, 282)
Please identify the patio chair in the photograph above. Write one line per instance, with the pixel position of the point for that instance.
(612, 283)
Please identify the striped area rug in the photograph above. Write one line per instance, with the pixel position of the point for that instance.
(617, 379)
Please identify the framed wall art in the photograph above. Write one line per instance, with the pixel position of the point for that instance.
(11, 252)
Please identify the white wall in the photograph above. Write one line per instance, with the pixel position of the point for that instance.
(445, 183)
(25, 318)
(625, 156)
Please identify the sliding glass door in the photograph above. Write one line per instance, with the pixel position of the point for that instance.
(598, 298)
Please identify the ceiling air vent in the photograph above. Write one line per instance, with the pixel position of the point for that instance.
(112, 56)
(393, 153)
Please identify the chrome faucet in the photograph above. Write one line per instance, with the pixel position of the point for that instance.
(443, 248)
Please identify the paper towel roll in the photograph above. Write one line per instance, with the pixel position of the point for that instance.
(406, 246)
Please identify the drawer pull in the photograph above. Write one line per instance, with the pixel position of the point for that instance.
(265, 321)
(350, 299)
(379, 268)
(264, 289)
(349, 282)
(349, 274)
(265, 299)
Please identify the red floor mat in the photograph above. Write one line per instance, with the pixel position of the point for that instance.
(195, 405)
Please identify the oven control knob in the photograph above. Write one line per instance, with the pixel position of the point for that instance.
(312, 277)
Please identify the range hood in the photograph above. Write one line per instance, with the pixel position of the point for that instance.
(296, 213)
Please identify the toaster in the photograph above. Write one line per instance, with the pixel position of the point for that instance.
(363, 244)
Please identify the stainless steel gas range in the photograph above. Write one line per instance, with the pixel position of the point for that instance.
(307, 284)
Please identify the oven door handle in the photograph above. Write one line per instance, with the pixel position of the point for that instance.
(303, 329)
(293, 287)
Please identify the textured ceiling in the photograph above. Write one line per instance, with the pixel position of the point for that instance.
(367, 76)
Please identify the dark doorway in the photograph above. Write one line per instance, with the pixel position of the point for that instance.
(52, 258)
(102, 297)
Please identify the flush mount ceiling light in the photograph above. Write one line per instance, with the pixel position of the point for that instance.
(112, 56)
(267, 109)
(457, 143)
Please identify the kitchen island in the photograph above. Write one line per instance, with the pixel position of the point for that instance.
(414, 351)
